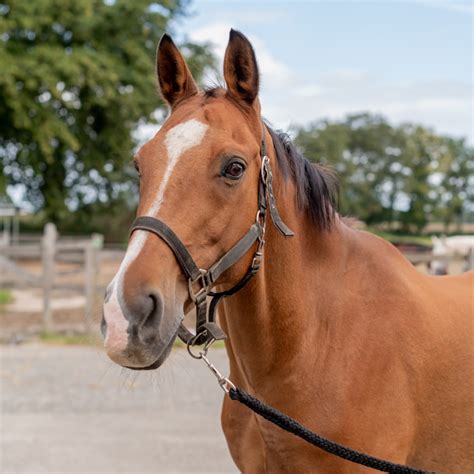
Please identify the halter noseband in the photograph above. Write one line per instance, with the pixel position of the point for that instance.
(207, 329)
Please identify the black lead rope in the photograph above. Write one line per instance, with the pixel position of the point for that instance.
(292, 426)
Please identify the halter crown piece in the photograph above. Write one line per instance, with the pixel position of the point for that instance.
(201, 281)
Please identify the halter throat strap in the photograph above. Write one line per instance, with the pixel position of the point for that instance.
(201, 281)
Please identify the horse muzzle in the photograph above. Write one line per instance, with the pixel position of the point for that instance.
(136, 334)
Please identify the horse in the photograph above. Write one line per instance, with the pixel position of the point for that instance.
(462, 245)
(336, 328)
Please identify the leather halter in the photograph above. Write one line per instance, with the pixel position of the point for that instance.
(207, 329)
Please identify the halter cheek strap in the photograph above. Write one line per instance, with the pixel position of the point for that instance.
(201, 281)
(266, 182)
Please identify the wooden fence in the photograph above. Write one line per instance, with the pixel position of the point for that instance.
(51, 249)
(425, 259)
(86, 254)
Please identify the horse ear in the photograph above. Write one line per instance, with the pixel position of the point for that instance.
(240, 68)
(174, 77)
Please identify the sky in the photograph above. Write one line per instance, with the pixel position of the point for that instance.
(408, 60)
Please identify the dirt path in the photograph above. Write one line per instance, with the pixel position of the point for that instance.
(70, 410)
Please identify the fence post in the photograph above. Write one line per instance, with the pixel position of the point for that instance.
(470, 260)
(91, 251)
(48, 254)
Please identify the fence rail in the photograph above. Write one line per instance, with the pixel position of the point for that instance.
(418, 258)
(51, 249)
(84, 256)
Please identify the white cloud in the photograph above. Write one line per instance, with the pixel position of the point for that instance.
(218, 34)
(458, 7)
(289, 99)
(447, 106)
(308, 90)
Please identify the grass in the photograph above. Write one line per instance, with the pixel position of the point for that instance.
(64, 339)
(215, 345)
(403, 238)
(67, 339)
(5, 296)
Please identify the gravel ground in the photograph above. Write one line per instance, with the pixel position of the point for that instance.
(71, 410)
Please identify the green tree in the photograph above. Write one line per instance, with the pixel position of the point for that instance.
(455, 184)
(362, 149)
(421, 150)
(77, 78)
(405, 176)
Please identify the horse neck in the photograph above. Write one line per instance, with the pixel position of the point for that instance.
(271, 321)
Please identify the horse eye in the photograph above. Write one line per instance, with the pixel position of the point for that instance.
(234, 170)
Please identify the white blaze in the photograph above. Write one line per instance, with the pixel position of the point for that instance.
(178, 140)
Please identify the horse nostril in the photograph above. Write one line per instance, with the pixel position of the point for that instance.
(154, 299)
(151, 322)
(103, 326)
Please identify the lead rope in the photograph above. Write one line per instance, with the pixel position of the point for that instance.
(292, 426)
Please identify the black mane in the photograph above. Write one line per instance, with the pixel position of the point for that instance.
(316, 186)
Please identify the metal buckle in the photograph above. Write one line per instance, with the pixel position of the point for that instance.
(257, 261)
(201, 294)
(264, 170)
(258, 256)
(261, 220)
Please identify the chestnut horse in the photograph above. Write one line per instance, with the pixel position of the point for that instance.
(337, 329)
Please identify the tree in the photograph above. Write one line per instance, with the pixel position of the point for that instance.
(77, 78)
(362, 150)
(455, 184)
(405, 176)
(421, 150)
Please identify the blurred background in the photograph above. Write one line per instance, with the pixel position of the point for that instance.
(380, 90)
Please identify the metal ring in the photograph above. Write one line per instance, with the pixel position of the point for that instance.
(260, 219)
(202, 292)
(205, 346)
(191, 342)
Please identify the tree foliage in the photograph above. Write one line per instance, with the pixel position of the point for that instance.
(77, 78)
(406, 175)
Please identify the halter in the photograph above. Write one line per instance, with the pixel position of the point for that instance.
(201, 281)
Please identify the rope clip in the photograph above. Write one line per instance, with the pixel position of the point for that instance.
(223, 381)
